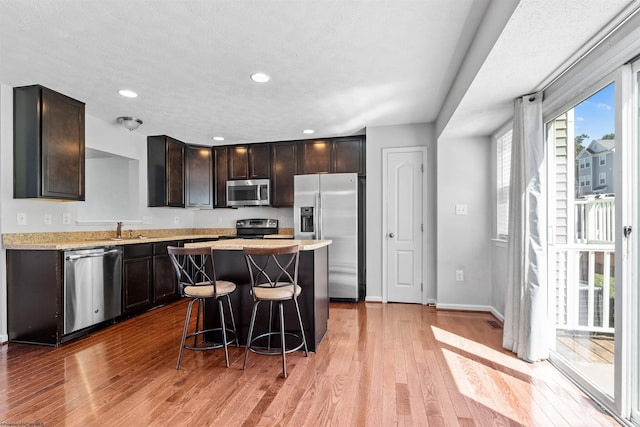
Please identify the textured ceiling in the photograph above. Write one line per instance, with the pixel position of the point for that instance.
(534, 46)
(336, 66)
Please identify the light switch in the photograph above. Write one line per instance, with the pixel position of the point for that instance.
(47, 219)
(461, 209)
(21, 218)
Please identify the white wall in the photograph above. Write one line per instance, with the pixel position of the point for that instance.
(498, 277)
(464, 241)
(410, 135)
(226, 218)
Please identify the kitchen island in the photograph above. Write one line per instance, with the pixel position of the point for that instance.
(313, 277)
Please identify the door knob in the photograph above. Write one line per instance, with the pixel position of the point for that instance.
(391, 235)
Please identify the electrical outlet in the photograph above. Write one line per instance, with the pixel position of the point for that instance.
(459, 275)
(66, 218)
(47, 219)
(21, 218)
(461, 209)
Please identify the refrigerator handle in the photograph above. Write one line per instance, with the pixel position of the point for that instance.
(319, 215)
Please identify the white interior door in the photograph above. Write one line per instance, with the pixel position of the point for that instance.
(402, 223)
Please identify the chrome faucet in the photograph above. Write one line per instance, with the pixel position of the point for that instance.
(119, 230)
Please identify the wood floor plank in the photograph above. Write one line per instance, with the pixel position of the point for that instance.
(379, 365)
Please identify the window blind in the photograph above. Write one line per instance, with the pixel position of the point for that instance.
(504, 178)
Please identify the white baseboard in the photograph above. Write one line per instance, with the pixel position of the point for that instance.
(461, 307)
(4, 338)
(465, 307)
(498, 315)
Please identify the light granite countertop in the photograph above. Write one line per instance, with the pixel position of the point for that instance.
(92, 242)
(239, 244)
(101, 238)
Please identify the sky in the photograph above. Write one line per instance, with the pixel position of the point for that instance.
(595, 115)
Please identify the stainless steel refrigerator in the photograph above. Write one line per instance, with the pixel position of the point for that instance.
(326, 208)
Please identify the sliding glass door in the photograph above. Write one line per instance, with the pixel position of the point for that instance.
(594, 200)
(582, 201)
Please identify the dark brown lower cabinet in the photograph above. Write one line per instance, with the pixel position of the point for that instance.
(165, 282)
(34, 296)
(137, 277)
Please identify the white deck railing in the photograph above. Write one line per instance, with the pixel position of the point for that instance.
(584, 269)
(595, 220)
(585, 299)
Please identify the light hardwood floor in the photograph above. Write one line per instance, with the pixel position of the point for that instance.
(379, 365)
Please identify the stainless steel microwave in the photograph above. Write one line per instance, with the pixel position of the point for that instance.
(248, 192)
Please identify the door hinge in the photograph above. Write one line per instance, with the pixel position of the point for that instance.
(422, 167)
(626, 230)
(421, 287)
(422, 228)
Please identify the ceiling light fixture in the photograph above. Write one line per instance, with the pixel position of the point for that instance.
(218, 138)
(131, 123)
(127, 93)
(260, 77)
(308, 131)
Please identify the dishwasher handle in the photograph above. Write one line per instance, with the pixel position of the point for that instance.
(92, 255)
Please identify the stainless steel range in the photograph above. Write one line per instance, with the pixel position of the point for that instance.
(256, 228)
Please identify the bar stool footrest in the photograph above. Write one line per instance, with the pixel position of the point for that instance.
(231, 337)
(275, 351)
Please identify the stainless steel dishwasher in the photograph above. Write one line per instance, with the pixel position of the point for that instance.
(92, 287)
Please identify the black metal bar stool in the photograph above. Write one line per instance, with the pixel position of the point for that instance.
(274, 279)
(196, 283)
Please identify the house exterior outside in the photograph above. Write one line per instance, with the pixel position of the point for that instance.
(596, 173)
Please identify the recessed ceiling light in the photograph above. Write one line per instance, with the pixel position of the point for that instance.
(128, 93)
(218, 138)
(308, 131)
(260, 77)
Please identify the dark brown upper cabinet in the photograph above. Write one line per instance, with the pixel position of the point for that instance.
(338, 155)
(48, 145)
(238, 162)
(259, 161)
(221, 157)
(315, 157)
(249, 161)
(165, 171)
(199, 176)
(347, 155)
(283, 169)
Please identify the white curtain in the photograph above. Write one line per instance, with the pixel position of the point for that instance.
(525, 321)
